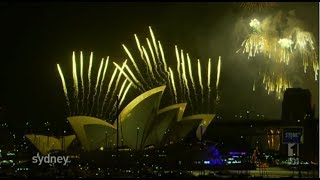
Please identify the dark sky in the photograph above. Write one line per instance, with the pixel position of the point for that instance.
(37, 36)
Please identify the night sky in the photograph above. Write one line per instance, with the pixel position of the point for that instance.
(37, 36)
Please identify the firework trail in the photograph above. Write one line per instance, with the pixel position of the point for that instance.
(165, 73)
(154, 59)
(125, 93)
(109, 86)
(122, 72)
(178, 68)
(304, 44)
(258, 5)
(134, 63)
(64, 87)
(200, 81)
(82, 82)
(254, 86)
(286, 49)
(96, 86)
(117, 83)
(218, 72)
(154, 42)
(102, 81)
(134, 77)
(173, 85)
(75, 80)
(281, 39)
(119, 95)
(253, 45)
(162, 57)
(191, 77)
(122, 87)
(139, 46)
(218, 80)
(148, 62)
(157, 53)
(89, 79)
(209, 86)
(184, 74)
(144, 60)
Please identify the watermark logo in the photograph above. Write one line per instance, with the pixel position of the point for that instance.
(48, 159)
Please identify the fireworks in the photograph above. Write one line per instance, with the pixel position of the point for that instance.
(89, 78)
(75, 80)
(98, 87)
(255, 24)
(154, 74)
(81, 78)
(97, 84)
(209, 82)
(258, 5)
(102, 80)
(173, 85)
(283, 44)
(200, 80)
(64, 86)
(180, 92)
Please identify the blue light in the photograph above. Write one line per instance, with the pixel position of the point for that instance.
(237, 153)
(216, 159)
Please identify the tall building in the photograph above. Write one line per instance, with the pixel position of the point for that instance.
(296, 105)
(298, 111)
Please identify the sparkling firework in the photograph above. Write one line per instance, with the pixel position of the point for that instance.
(96, 86)
(89, 78)
(64, 86)
(117, 83)
(158, 75)
(218, 72)
(298, 46)
(133, 61)
(134, 77)
(81, 78)
(91, 110)
(209, 80)
(218, 80)
(200, 80)
(122, 87)
(253, 45)
(258, 5)
(75, 80)
(286, 49)
(178, 68)
(173, 85)
(185, 79)
(153, 58)
(122, 72)
(162, 57)
(108, 91)
(102, 81)
(154, 42)
(125, 94)
(192, 80)
(148, 62)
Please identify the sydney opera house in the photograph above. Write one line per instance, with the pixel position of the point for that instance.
(142, 123)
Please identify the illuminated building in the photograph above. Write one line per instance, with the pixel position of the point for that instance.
(141, 124)
(45, 144)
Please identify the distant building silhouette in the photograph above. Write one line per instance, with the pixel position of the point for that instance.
(296, 105)
(297, 110)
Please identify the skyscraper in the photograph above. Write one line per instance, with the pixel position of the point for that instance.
(296, 105)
